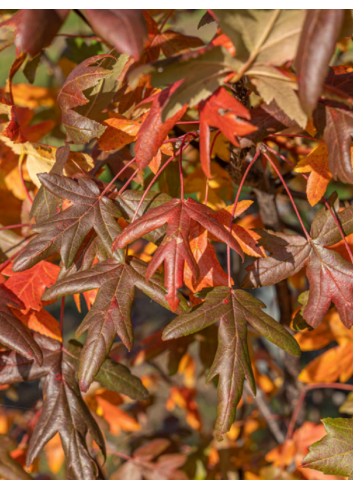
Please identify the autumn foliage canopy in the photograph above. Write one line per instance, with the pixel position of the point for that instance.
(176, 206)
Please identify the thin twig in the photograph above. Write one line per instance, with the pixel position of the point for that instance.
(289, 195)
(166, 19)
(266, 412)
(211, 151)
(257, 154)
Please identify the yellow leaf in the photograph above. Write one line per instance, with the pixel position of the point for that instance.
(331, 365)
(41, 159)
(196, 183)
(13, 182)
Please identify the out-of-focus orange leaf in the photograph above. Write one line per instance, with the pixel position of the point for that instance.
(14, 183)
(316, 163)
(107, 407)
(156, 161)
(13, 208)
(32, 96)
(294, 451)
(55, 453)
(29, 286)
(341, 247)
(336, 363)
(187, 367)
(185, 399)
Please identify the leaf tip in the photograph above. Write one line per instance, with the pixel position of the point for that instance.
(84, 385)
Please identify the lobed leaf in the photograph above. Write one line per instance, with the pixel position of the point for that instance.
(175, 248)
(329, 275)
(334, 453)
(234, 309)
(65, 232)
(111, 312)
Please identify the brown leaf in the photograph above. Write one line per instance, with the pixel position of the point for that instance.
(316, 46)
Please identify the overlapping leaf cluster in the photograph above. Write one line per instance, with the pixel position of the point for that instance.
(128, 95)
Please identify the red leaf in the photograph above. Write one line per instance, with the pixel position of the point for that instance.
(38, 28)
(29, 286)
(154, 131)
(223, 111)
(125, 29)
(175, 248)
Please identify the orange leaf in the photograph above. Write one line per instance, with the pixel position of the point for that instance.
(55, 453)
(245, 237)
(187, 367)
(120, 132)
(41, 322)
(223, 40)
(317, 164)
(336, 363)
(341, 247)
(185, 399)
(29, 286)
(211, 272)
(117, 418)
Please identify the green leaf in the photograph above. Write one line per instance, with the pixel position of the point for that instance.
(333, 455)
(30, 68)
(114, 376)
(78, 49)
